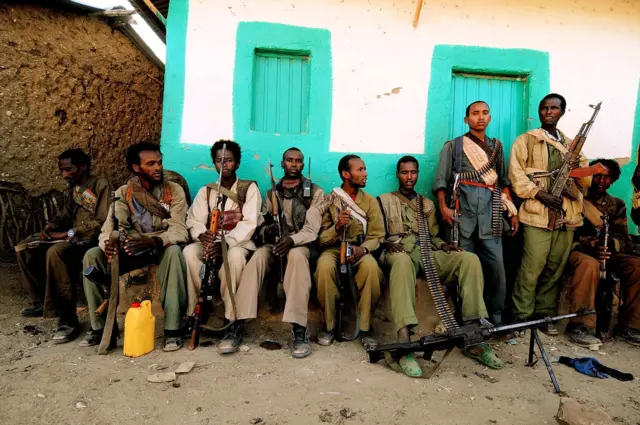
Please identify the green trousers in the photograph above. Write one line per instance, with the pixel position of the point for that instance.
(462, 268)
(171, 275)
(538, 282)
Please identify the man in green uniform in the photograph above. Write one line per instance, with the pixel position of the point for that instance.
(478, 162)
(402, 255)
(350, 211)
(151, 213)
(545, 252)
(47, 261)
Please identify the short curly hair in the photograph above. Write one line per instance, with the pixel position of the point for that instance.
(612, 166)
(232, 146)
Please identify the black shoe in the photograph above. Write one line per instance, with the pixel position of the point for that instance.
(326, 338)
(232, 339)
(36, 310)
(632, 336)
(66, 333)
(301, 347)
(91, 338)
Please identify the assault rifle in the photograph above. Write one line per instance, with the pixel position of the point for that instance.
(468, 335)
(111, 326)
(559, 186)
(346, 287)
(276, 214)
(604, 292)
(455, 206)
(208, 271)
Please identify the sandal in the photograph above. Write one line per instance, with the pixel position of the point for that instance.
(407, 365)
(486, 356)
(172, 343)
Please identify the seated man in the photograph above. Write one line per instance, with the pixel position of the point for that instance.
(48, 260)
(588, 254)
(240, 215)
(402, 255)
(151, 214)
(365, 232)
(301, 215)
(635, 203)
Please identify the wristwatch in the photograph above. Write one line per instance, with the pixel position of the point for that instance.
(71, 233)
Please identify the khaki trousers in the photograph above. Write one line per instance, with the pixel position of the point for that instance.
(543, 259)
(47, 273)
(170, 275)
(297, 279)
(246, 296)
(584, 275)
(367, 275)
(461, 268)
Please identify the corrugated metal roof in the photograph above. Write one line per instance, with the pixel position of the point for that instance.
(156, 25)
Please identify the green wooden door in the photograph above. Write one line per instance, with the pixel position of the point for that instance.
(280, 93)
(506, 98)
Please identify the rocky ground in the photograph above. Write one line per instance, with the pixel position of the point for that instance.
(41, 383)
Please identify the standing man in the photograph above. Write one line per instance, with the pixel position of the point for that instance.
(484, 193)
(58, 250)
(350, 210)
(240, 215)
(545, 251)
(151, 214)
(588, 254)
(302, 221)
(402, 255)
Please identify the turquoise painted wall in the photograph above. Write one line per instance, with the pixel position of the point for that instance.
(623, 188)
(258, 147)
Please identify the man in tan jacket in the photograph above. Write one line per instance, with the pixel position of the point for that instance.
(545, 251)
(151, 212)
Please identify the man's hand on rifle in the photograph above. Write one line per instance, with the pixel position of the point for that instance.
(393, 247)
(448, 215)
(139, 245)
(553, 202)
(270, 233)
(597, 251)
(574, 164)
(448, 247)
(110, 249)
(357, 252)
(283, 247)
(343, 220)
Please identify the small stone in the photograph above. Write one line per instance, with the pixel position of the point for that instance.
(325, 416)
(81, 405)
(185, 367)
(40, 395)
(493, 421)
(8, 113)
(176, 384)
(162, 377)
(255, 421)
(347, 413)
(244, 348)
(571, 412)
(198, 409)
(489, 397)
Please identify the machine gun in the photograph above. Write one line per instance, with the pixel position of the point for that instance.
(346, 287)
(468, 335)
(559, 186)
(208, 271)
(604, 292)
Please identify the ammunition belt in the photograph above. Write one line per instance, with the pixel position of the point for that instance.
(433, 281)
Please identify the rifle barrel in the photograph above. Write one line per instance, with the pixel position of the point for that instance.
(531, 323)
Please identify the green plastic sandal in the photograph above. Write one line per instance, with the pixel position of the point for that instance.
(407, 365)
(486, 356)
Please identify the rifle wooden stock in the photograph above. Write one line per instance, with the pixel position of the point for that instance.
(343, 252)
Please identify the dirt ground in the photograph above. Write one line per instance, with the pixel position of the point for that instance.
(44, 383)
(70, 80)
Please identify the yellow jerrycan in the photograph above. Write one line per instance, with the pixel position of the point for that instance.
(139, 330)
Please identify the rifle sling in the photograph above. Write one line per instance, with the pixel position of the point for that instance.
(110, 322)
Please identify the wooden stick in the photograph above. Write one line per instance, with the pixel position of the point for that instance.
(416, 17)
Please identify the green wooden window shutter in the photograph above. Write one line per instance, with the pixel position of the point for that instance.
(280, 92)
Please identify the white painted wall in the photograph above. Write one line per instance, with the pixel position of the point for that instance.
(594, 51)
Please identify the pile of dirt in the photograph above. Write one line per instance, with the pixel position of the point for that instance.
(70, 80)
